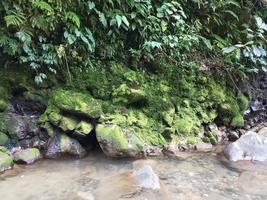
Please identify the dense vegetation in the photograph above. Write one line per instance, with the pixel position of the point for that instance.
(163, 68)
(56, 35)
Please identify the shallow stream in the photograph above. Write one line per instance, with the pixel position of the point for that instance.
(197, 176)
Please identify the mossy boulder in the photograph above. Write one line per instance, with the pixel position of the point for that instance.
(243, 102)
(186, 122)
(3, 139)
(27, 156)
(238, 121)
(3, 105)
(168, 116)
(68, 123)
(119, 142)
(84, 128)
(3, 149)
(127, 95)
(76, 103)
(231, 111)
(6, 161)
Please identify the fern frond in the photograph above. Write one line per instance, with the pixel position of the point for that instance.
(15, 19)
(73, 18)
(42, 5)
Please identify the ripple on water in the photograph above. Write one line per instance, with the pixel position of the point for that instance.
(197, 177)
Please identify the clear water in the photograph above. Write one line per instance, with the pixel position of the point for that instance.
(197, 177)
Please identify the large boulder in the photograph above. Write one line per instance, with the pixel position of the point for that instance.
(6, 161)
(145, 177)
(250, 146)
(119, 142)
(27, 156)
(19, 126)
(64, 145)
(77, 103)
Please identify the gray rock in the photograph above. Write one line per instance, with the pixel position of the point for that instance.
(6, 161)
(233, 136)
(204, 146)
(62, 144)
(145, 177)
(21, 127)
(250, 146)
(27, 156)
(256, 105)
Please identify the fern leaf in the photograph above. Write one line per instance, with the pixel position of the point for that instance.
(42, 5)
(74, 18)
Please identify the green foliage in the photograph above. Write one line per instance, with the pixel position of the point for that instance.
(56, 36)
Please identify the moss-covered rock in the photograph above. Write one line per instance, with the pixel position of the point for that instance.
(3, 139)
(6, 161)
(68, 123)
(238, 121)
(77, 103)
(84, 128)
(187, 123)
(3, 149)
(127, 95)
(3, 105)
(243, 103)
(168, 116)
(27, 156)
(118, 142)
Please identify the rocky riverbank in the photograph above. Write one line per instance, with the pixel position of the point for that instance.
(132, 116)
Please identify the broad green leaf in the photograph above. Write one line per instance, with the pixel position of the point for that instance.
(103, 19)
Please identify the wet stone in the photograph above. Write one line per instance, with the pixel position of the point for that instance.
(27, 156)
(63, 145)
(145, 177)
(250, 146)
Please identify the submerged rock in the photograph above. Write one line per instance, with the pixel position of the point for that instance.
(145, 177)
(250, 146)
(62, 144)
(27, 156)
(118, 142)
(6, 161)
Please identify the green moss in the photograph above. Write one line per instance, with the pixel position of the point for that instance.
(6, 161)
(125, 94)
(112, 134)
(3, 139)
(3, 105)
(168, 116)
(54, 118)
(186, 123)
(84, 128)
(3, 149)
(192, 140)
(237, 121)
(27, 156)
(68, 123)
(77, 102)
(168, 101)
(242, 102)
(3, 98)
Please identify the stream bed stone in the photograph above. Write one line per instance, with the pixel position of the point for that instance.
(251, 146)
